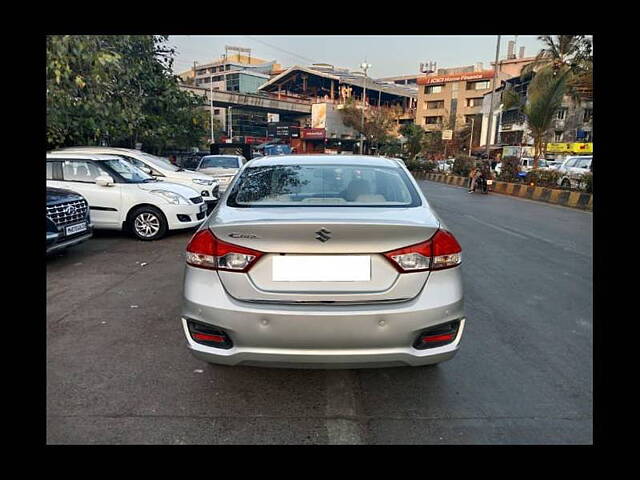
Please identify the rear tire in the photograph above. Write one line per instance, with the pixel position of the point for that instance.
(566, 183)
(148, 223)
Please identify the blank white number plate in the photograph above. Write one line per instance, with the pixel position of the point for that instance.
(321, 268)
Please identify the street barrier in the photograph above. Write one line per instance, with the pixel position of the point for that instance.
(566, 198)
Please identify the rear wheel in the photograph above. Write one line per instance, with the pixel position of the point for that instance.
(566, 183)
(148, 223)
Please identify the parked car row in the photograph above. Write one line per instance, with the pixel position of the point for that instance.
(121, 189)
(571, 169)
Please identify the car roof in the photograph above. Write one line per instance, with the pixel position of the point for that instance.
(364, 160)
(96, 149)
(81, 156)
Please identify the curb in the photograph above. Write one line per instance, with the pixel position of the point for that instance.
(566, 198)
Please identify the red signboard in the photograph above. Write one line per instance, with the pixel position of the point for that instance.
(455, 77)
(313, 133)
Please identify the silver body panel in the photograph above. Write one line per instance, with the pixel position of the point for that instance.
(323, 324)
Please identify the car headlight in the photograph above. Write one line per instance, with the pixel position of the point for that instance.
(171, 197)
(202, 181)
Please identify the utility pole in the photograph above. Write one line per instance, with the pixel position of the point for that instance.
(230, 126)
(211, 105)
(493, 89)
(365, 66)
(471, 136)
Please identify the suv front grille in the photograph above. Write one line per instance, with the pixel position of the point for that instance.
(60, 216)
(196, 199)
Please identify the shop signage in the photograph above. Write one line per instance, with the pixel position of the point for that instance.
(569, 147)
(456, 77)
(313, 133)
(447, 134)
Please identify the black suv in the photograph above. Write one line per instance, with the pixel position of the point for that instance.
(68, 221)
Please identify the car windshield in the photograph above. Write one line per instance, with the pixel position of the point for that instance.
(323, 185)
(160, 162)
(219, 162)
(128, 172)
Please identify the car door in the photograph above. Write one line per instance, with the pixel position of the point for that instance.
(105, 203)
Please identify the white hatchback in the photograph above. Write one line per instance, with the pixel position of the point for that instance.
(123, 197)
(161, 169)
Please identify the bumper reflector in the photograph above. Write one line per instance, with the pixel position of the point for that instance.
(437, 336)
(209, 335)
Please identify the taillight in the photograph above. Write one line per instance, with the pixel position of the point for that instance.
(439, 252)
(207, 251)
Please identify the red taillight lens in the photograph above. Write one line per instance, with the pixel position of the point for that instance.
(439, 252)
(207, 251)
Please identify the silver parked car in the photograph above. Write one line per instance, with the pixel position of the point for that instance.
(323, 261)
(221, 167)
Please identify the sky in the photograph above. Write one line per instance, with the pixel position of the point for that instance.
(388, 55)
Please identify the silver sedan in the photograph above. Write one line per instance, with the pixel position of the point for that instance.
(323, 262)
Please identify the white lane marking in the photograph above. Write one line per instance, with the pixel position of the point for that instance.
(341, 402)
(496, 227)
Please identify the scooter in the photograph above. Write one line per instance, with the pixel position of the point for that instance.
(482, 184)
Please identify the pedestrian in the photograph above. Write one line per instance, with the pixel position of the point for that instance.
(475, 173)
(173, 159)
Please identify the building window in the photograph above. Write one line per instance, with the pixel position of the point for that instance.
(432, 120)
(435, 104)
(474, 102)
(481, 85)
(562, 114)
(216, 111)
(588, 115)
(411, 81)
(557, 137)
(433, 89)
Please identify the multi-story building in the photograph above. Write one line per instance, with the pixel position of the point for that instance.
(453, 97)
(235, 73)
(572, 122)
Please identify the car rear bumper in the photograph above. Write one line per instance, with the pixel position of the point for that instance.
(323, 336)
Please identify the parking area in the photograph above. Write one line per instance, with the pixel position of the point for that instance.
(118, 370)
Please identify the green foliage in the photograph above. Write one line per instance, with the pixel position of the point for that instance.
(586, 182)
(379, 122)
(543, 178)
(509, 169)
(462, 165)
(415, 136)
(117, 90)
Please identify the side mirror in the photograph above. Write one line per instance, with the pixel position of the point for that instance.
(104, 181)
(146, 170)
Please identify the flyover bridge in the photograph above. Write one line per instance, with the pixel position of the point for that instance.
(255, 102)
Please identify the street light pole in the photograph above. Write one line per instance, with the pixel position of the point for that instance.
(471, 136)
(365, 66)
(211, 105)
(493, 88)
(230, 126)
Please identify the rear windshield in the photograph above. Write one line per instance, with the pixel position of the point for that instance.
(323, 185)
(219, 162)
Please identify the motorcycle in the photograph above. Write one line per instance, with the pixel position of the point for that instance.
(483, 184)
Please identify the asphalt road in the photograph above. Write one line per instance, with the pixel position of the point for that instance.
(118, 371)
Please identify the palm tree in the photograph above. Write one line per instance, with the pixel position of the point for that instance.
(544, 97)
(569, 55)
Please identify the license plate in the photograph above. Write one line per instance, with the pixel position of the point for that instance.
(203, 207)
(321, 268)
(71, 229)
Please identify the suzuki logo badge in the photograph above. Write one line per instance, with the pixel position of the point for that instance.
(323, 235)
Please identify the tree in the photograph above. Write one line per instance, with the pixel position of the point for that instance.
(117, 90)
(415, 136)
(569, 55)
(379, 122)
(544, 98)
